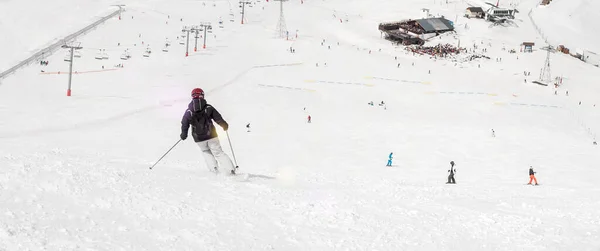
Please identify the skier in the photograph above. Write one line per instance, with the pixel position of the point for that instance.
(451, 176)
(200, 115)
(248, 127)
(493, 133)
(309, 118)
(532, 176)
(389, 163)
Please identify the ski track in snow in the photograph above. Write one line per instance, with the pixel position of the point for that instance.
(74, 171)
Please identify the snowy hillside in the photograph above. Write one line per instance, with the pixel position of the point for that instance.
(74, 170)
(28, 26)
(568, 22)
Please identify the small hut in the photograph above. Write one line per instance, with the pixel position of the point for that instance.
(527, 46)
(475, 12)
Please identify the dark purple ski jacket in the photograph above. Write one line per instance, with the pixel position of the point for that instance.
(200, 105)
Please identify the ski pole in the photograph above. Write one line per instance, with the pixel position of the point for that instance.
(232, 152)
(165, 154)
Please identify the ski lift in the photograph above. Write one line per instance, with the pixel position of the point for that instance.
(125, 55)
(99, 55)
(147, 52)
(166, 48)
(104, 55)
(77, 54)
(68, 57)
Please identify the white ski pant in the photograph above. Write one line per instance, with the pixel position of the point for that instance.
(212, 152)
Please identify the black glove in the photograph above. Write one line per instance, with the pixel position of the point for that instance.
(183, 136)
(225, 126)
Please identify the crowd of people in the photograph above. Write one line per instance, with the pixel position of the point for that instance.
(440, 50)
(412, 26)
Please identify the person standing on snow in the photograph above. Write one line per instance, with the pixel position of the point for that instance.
(451, 176)
(532, 176)
(200, 115)
(389, 163)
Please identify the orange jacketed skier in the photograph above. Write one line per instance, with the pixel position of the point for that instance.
(532, 176)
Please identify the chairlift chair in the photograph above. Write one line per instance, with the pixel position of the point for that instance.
(99, 55)
(125, 55)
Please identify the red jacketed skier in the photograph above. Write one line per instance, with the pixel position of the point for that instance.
(200, 116)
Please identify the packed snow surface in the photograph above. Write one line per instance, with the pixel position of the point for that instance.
(74, 170)
(570, 23)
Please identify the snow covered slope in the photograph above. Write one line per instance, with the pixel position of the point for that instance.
(74, 170)
(570, 22)
(29, 26)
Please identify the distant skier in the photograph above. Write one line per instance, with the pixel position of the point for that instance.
(200, 115)
(248, 127)
(451, 176)
(493, 133)
(389, 163)
(532, 176)
(309, 119)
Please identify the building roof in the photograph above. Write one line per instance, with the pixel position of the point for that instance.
(528, 43)
(435, 24)
(475, 9)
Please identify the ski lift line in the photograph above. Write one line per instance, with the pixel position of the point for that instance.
(47, 51)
